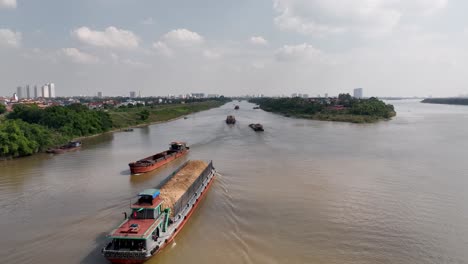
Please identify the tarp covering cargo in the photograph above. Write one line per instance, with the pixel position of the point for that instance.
(178, 189)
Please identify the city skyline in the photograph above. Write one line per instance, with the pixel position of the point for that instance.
(403, 48)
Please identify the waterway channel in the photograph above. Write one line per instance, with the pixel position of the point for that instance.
(303, 191)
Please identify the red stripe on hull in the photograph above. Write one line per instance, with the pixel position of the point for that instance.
(137, 170)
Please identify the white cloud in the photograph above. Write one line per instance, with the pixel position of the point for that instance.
(311, 17)
(210, 54)
(182, 37)
(258, 40)
(148, 21)
(296, 52)
(78, 56)
(163, 49)
(111, 37)
(7, 3)
(10, 38)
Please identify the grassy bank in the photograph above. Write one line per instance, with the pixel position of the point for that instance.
(127, 117)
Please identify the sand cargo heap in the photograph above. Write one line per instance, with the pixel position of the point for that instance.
(159, 214)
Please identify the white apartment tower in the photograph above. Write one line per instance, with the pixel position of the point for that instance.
(51, 90)
(358, 93)
(45, 91)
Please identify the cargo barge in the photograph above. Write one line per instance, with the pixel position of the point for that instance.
(159, 214)
(176, 150)
(70, 146)
(230, 120)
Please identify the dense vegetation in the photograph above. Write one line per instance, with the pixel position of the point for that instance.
(452, 101)
(2, 108)
(30, 129)
(344, 108)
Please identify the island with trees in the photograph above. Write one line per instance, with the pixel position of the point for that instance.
(29, 129)
(450, 101)
(344, 108)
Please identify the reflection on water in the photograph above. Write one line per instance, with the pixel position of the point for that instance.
(303, 191)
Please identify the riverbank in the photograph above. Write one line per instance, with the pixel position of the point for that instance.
(129, 119)
(29, 130)
(449, 101)
(342, 109)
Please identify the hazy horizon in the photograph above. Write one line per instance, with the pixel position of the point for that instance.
(388, 47)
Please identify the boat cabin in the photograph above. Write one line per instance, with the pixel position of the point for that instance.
(178, 146)
(148, 205)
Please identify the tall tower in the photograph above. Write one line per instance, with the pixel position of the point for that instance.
(358, 93)
(51, 90)
(45, 91)
(28, 92)
(35, 92)
(19, 92)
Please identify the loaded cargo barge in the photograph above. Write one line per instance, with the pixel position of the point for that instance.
(176, 150)
(159, 214)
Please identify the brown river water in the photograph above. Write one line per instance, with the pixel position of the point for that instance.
(301, 192)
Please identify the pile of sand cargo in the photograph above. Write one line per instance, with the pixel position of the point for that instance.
(171, 192)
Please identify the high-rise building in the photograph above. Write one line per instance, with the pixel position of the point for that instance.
(19, 92)
(99, 94)
(35, 92)
(326, 95)
(132, 94)
(51, 90)
(358, 93)
(28, 92)
(45, 91)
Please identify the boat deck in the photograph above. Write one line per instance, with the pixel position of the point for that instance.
(125, 230)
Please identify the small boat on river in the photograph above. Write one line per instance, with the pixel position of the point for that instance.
(70, 146)
(175, 151)
(236, 107)
(230, 120)
(159, 214)
(256, 127)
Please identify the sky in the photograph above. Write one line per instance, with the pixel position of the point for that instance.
(271, 47)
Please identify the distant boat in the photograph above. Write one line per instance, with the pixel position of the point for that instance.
(70, 146)
(230, 120)
(185, 117)
(256, 127)
(237, 107)
(256, 107)
(128, 130)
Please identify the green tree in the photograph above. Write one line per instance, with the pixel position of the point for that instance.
(144, 114)
(2, 108)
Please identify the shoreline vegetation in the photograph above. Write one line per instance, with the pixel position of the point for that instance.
(449, 101)
(345, 108)
(29, 129)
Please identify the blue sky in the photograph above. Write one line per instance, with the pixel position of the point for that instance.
(388, 47)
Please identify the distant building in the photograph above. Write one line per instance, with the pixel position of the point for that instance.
(198, 95)
(35, 92)
(28, 92)
(358, 93)
(99, 94)
(132, 94)
(19, 92)
(15, 97)
(45, 91)
(305, 96)
(294, 95)
(326, 95)
(51, 90)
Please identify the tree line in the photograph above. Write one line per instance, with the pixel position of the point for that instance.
(30, 129)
